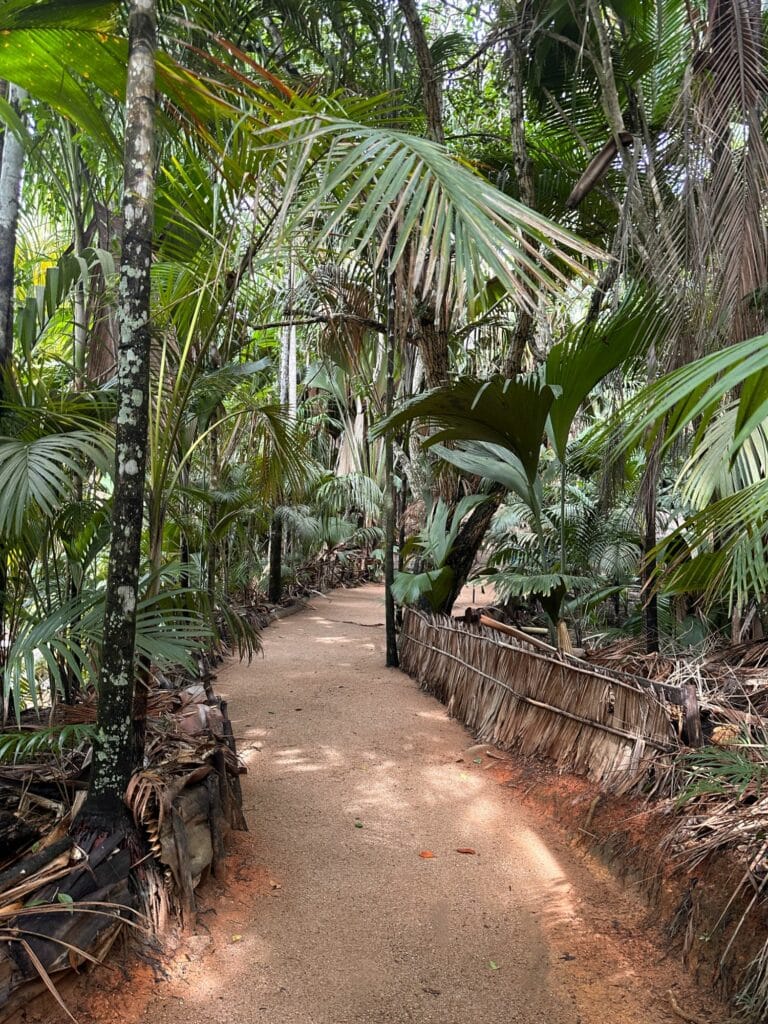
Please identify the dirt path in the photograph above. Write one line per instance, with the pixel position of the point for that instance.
(330, 916)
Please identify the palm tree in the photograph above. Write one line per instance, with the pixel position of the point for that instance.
(497, 427)
(379, 190)
(118, 746)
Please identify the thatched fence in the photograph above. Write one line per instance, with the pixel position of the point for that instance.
(515, 695)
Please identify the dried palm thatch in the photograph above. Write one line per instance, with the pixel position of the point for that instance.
(724, 802)
(510, 694)
(61, 907)
(63, 904)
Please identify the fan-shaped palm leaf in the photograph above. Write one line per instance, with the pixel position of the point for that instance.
(39, 472)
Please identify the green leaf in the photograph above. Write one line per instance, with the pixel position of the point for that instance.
(509, 413)
(492, 462)
(39, 472)
(410, 588)
(55, 65)
(91, 14)
(576, 366)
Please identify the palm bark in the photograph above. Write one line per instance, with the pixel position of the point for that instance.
(469, 539)
(431, 84)
(390, 523)
(11, 169)
(114, 750)
(288, 399)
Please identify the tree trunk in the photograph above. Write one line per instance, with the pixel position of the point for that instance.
(275, 587)
(514, 65)
(114, 752)
(212, 547)
(288, 398)
(10, 190)
(79, 336)
(431, 83)
(651, 606)
(390, 521)
(468, 540)
(431, 326)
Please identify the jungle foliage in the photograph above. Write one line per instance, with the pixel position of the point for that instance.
(480, 291)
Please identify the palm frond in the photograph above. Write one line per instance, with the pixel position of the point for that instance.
(39, 472)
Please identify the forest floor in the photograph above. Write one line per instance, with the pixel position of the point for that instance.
(331, 913)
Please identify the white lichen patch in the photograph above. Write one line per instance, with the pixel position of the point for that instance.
(127, 597)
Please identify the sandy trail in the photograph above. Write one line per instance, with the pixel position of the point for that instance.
(361, 929)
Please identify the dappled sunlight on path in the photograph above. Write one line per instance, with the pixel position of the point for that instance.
(349, 900)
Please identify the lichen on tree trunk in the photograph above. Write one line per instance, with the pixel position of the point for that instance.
(114, 750)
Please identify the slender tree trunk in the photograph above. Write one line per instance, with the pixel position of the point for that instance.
(431, 83)
(114, 751)
(275, 589)
(288, 398)
(390, 523)
(79, 336)
(10, 192)
(11, 170)
(514, 64)
(473, 530)
(212, 552)
(651, 606)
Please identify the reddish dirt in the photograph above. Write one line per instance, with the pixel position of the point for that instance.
(324, 922)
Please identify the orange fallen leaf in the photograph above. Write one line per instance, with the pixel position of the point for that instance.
(426, 855)
(465, 849)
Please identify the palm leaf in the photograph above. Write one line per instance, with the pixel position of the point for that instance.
(39, 472)
(492, 462)
(509, 413)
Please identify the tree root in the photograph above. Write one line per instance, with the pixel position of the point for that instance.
(681, 1013)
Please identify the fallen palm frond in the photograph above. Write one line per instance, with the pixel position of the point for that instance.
(61, 907)
(61, 904)
(514, 696)
(724, 804)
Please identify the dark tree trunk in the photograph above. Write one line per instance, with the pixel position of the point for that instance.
(390, 521)
(275, 587)
(184, 559)
(432, 339)
(651, 607)
(114, 748)
(431, 83)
